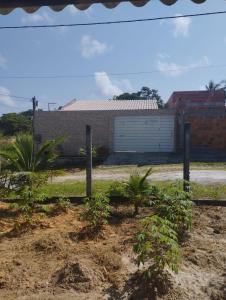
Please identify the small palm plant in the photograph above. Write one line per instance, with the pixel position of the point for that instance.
(21, 156)
(138, 189)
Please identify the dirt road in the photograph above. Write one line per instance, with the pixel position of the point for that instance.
(199, 176)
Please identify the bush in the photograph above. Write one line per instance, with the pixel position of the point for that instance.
(157, 241)
(138, 189)
(177, 208)
(27, 185)
(63, 204)
(117, 189)
(97, 210)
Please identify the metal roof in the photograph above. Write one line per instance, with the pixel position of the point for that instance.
(30, 6)
(110, 105)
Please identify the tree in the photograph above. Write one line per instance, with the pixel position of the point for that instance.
(212, 86)
(14, 123)
(144, 94)
(21, 158)
(138, 189)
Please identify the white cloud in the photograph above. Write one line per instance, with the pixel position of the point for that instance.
(5, 98)
(37, 18)
(181, 26)
(91, 47)
(105, 86)
(174, 69)
(3, 61)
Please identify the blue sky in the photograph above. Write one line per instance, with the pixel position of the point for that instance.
(182, 53)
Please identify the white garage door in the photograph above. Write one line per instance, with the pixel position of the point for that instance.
(144, 134)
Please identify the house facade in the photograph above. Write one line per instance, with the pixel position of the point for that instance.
(127, 126)
(138, 125)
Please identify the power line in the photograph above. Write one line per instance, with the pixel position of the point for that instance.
(19, 98)
(183, 68)
(114, 22)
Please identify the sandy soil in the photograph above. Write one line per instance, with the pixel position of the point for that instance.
(57, 259)
(199, 176)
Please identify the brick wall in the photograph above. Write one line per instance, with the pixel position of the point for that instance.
(206, 113)
(196, 100)
(208, 129)
(71, 124)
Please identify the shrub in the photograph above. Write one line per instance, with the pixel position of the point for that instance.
(138, 189)
(97, 210)
(157, 241)
(117, 189)
(63, 204)
(27, 185)
(177, 208)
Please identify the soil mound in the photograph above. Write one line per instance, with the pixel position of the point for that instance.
(75, 275)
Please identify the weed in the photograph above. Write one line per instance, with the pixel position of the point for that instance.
(117, 189)
(97, 210)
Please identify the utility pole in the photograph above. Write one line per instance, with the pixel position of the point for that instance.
(187, 129)
(34, 105)
(88, 161)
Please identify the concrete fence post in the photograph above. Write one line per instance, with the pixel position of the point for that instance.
(187, 133)
(89, 162)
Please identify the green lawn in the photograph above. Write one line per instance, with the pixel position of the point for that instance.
(217, 191)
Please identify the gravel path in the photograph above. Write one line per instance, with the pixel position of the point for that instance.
(199, 176)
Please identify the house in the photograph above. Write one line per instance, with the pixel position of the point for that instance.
(138, 125)
(118, 125)
(206, 112)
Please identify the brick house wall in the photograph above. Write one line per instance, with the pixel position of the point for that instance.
(206, 112)
(71, 124)
(208, 129)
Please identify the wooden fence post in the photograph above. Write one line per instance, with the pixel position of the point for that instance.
(88, 161)
(187, 130)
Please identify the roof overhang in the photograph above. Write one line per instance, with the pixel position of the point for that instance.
(30, 6)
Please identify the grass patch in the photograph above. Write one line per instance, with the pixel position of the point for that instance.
(70, 189)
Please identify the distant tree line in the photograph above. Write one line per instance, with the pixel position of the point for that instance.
(145, 93)
(14, 123)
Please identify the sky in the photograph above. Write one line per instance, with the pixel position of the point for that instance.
(180, 54)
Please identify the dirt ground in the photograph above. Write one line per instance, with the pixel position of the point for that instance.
(59, 259)
(198, 176)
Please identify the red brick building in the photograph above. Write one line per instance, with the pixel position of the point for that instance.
(206, 112)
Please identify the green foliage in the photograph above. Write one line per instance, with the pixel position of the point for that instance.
(20, 159)
(138, 189)
(144, 94)
(157, 241)
(117, 189)
(82, 151)
(176, 208)
(14, 123)
(27, 186)
(97, 210)
(63, 204)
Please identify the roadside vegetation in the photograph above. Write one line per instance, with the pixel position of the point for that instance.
(156, 243)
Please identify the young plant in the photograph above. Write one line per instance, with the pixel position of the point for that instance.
(157, 243)
(21, 158)
(63, 204)
(97, 210)
(117, 189)
(27, 185)
(176, 208)
(138, 189)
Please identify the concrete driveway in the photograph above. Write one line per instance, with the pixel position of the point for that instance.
(199, 176)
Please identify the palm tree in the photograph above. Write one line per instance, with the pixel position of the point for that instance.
(21, 158)
(138, 189)
(212, 86)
